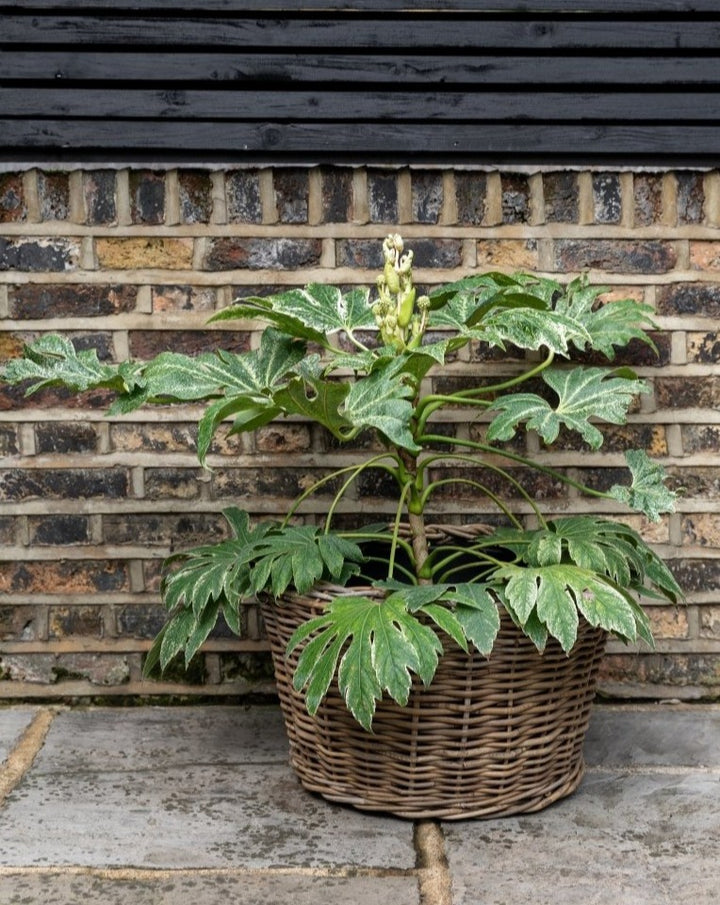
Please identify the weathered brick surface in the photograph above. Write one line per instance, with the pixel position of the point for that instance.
(99, 188)
(607, 198)
(147, 196)
(262, 254)
(615, 255)
(37, 255)
(471, 197)
(291, 195)
(515, 190)
(32, 302)
(12, 198)
(561, 197)
(648, 198)
(195, 190)
(54, 195)
(90, 506)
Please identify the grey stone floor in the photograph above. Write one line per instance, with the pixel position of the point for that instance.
(169, 805)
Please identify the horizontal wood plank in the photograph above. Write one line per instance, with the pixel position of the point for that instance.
(368, 106)
(452, 32)
(480, 141)
(517, 7)
(57, 66)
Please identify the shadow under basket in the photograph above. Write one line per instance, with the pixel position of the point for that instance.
(490, 737)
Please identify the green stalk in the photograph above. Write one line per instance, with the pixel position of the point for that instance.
(433, 402)
(484, 447)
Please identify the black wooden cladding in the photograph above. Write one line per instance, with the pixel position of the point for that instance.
(458, 81)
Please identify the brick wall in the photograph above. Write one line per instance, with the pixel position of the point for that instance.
(134, 261)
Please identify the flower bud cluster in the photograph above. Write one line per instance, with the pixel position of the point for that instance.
(400, 314)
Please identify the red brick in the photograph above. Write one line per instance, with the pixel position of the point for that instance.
(12, 198)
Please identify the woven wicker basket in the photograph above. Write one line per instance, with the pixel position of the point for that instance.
(490, 737)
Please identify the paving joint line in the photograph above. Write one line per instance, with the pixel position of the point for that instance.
(434, 879)
(22, 756)
(130, 874)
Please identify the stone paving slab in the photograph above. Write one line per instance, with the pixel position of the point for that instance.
(143, 738)
(13, 722)
(111, 791)
(667, 735)
(51, 888)
(628, 838)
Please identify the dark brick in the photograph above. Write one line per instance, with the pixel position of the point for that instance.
(662, 669)
(337, 195)
(59, 437)
(382, 196)
(172, 483)
(283, 438)
(8, 440)
(687, 392)
(616, 256)
(427, 196)
(561, 197)
(291, 195)
(243, 196)
(603, 478)
(696, 575)
(146, 344)
(99, 191)
(636, 353)
(253, 667)
(690, 197)
(56, 484)
(647, 194)
(58, 530)
(18, 623)
(147, 196)
(376, 483)
(38, 255)
(12, 398)
(700, 438)
(230, 253)
(285, 483)
(471, 197)
(12, 198)
(158, 438)
(695, 481)
(82, 621)
(618, 438)
(7, 528)
(32, 301)
(689, 298)
(607, 198)
(195, 188)
(539, 486)
(63, 577)
(367, 253)
(183, 298)
(54, 195)
(515, 198)
(174, 531)
(142, 621)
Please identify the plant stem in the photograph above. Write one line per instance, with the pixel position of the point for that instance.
(416, 519)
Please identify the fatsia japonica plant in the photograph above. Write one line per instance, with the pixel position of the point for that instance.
(357, 362)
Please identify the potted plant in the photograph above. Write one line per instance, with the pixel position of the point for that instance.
(423, 670)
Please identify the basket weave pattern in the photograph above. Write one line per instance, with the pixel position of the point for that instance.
(490, 737)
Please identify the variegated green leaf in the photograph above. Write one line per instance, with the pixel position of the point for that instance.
(382, 401)
(647, 492)
(583, 393)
